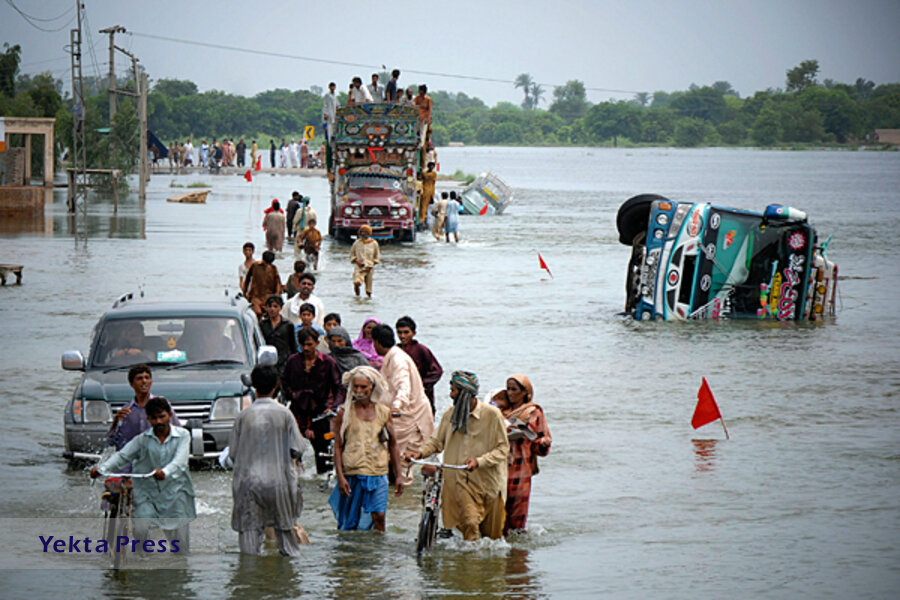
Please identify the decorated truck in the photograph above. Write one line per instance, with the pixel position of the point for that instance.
(375, 163)
(701, 261)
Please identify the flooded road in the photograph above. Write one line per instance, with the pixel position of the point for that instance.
(632, 502)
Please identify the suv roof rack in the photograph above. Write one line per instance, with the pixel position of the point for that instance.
(124, 298)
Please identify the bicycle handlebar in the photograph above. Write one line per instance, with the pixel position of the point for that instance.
(324, 415)
(131, 475)
(438, 465)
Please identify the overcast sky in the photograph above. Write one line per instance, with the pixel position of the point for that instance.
(626, 45)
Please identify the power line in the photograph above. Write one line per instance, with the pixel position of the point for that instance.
(30, 19)
(353, 64)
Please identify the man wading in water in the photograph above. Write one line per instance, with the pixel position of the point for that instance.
(471, 433)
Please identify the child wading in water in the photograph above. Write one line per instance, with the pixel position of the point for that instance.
(364, 254)
(310, 239)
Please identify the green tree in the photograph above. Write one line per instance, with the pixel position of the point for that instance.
(702, 103)
(732, 132)
(642, 98)
(9, 67)
(611, 120)
(570, 100)
(175, 88)
(690, 132)
(840, 114)
(525, 81)
(766, 129)
(724, 88)
(537, 94)
(461, 131)
(802, 76)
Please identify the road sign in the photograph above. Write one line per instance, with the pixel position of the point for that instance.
(309, 133)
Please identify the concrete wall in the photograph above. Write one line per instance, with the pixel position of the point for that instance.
(21, 200)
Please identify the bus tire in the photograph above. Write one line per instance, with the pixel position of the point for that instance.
(632, 216)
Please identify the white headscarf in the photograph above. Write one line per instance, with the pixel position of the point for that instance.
(379, 387)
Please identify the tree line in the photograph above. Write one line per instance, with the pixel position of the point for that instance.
(804, 112)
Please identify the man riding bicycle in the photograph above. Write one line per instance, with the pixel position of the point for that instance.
(167, 500)
(471, 433)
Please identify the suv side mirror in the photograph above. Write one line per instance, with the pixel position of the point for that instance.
(72, 360)
(267, 355)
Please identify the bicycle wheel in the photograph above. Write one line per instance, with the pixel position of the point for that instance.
(427, 528)
(118, 557)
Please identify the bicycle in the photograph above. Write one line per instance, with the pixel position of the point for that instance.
(328, 455)
(117, 504)
(431, 502)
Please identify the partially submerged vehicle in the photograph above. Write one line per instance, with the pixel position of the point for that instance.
(487, 195)
(700, 261)
(197, 352)
(375, 164)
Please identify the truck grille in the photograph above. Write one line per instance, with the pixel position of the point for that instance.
(185, 410)
(377, 211)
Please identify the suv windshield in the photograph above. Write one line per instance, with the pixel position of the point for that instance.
(378, 182)
(123, 342)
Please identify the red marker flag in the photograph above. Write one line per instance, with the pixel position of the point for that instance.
(483, 210)
(544, 265)
(258, 163)
(248, 176)
(707, 410)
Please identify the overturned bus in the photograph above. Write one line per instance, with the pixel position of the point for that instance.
(700, 261)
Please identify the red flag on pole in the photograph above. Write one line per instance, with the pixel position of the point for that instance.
(484, 208)
(258, 163)
(707, 410)
(248, 176)
(544, 265)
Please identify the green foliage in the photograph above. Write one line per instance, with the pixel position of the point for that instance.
(570, 100)
(767, 127)
(802, 76)
(691, 132)
(9, 67)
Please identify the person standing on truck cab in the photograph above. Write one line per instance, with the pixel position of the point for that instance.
(424, 103)
(406, 99)
(329, 108)
(375, 91)
(391, 92)
(131, 419)
(359, 94)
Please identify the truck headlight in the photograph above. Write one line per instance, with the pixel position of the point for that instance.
(228, 407)
(394, 213)
(96, 411)
(402, 212)
(348, 211)
(357, 211)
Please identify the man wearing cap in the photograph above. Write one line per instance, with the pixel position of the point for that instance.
(364, 254)
(471, 433)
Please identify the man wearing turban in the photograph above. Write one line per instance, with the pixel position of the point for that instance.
(471, 433)
(364, 254)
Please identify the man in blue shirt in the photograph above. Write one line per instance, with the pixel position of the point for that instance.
(167, 499)
(130, 420)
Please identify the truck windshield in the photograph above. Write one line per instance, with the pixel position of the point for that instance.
(123, 342)
(376, 182)
(749, 256)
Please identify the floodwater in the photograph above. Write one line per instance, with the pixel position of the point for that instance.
(802, 501)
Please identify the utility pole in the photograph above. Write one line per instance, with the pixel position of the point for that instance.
(144, 172)
(79, 153)
(112, 31)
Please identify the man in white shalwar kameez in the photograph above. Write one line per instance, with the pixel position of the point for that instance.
(410, 410)
(264, 442)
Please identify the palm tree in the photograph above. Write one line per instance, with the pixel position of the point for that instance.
(525, 82)
(537, 94)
